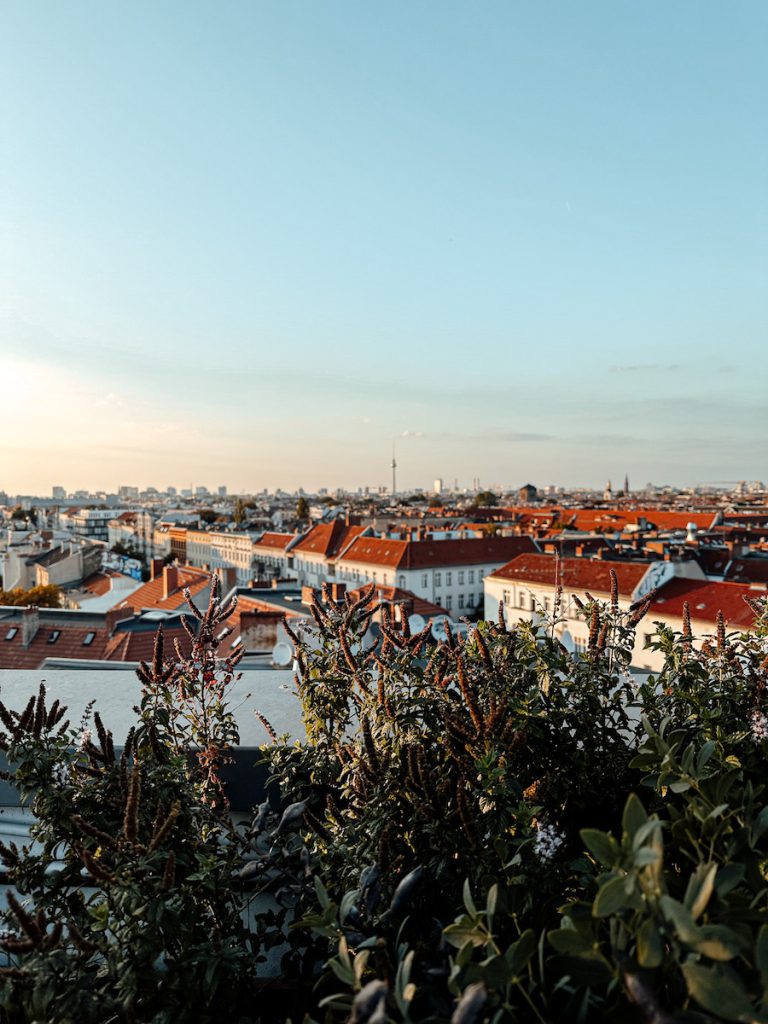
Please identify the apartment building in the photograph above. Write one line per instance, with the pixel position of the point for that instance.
(527, 588)
(315, 555)
(273, 555)
(449, 573)
(221, 550)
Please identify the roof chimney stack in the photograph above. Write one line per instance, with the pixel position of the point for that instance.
(30, 623)
(170, 581)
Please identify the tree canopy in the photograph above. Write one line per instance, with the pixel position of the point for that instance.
(44, 596)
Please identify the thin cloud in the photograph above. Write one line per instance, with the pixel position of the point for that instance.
(644, 368)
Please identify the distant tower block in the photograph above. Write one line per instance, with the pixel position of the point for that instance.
(438, 485)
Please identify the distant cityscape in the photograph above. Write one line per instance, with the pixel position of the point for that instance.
(87, 577)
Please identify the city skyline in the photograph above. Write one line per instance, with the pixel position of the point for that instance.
(254, 245)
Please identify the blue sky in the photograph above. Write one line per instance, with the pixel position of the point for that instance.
(252, 243)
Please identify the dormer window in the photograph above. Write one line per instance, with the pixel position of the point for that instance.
(53, 636)
(11, 633)
(88, 639)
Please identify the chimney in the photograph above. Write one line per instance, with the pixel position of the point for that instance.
(307, 595)
(170, 580)
(30, 623)
(115, 615)
(155, 568)
(338, 590)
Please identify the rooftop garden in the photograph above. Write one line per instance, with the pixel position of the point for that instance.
(487, 829)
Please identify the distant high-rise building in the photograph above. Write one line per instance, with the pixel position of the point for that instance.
(200, 492)
(59, 494)
(171, 492)
(222, 490)
(126, 491)
(438, 488)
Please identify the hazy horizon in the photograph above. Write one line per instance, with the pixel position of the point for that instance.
(254, 244)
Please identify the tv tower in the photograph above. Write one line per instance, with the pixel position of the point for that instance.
(394, 470)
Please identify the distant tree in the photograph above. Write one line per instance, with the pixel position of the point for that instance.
(484, 499)
(208, 515)
(48, 596)
(239, 513)
(302, 508)
(18, 513)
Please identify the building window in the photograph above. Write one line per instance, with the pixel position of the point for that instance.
(438, 579)
(53, 636)
(11, 633)
(88, 639)
(479, 575)
(439, 602)
(461, 600)
(533, 603)
(448, 579)
(424, 579)
(505, 596)
(449, 602)
(402, 581)
(461, 577)
(471, 600)
(471, 575)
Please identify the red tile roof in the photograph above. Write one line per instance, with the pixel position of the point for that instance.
(138, 645)
(279, 541)
(151, 594)
(131, 641)
(328, 539)
(576, 574)
(705, 598)
(396, 595)
(99, 583)
(69, 644)
(426, 554)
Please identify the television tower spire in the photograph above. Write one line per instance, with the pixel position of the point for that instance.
(394, 470)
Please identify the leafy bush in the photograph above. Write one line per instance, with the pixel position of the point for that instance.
(475, 847)
(487, 829)
(126, 910)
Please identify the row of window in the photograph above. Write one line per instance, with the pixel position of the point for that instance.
(449, 578)
(53, 636)
(449, 601)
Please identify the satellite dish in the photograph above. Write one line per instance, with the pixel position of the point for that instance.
(416, 623)
(567, 641)
(438, 626)
(282, 655)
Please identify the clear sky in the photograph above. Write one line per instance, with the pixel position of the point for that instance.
(251, 243)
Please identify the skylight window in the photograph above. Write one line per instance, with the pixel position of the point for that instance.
(53, 636)
(88, 639)
(11, 633)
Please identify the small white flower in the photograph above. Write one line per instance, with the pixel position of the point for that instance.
(759, 726)
(61, 774)
(84, 738)
(547, 842)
